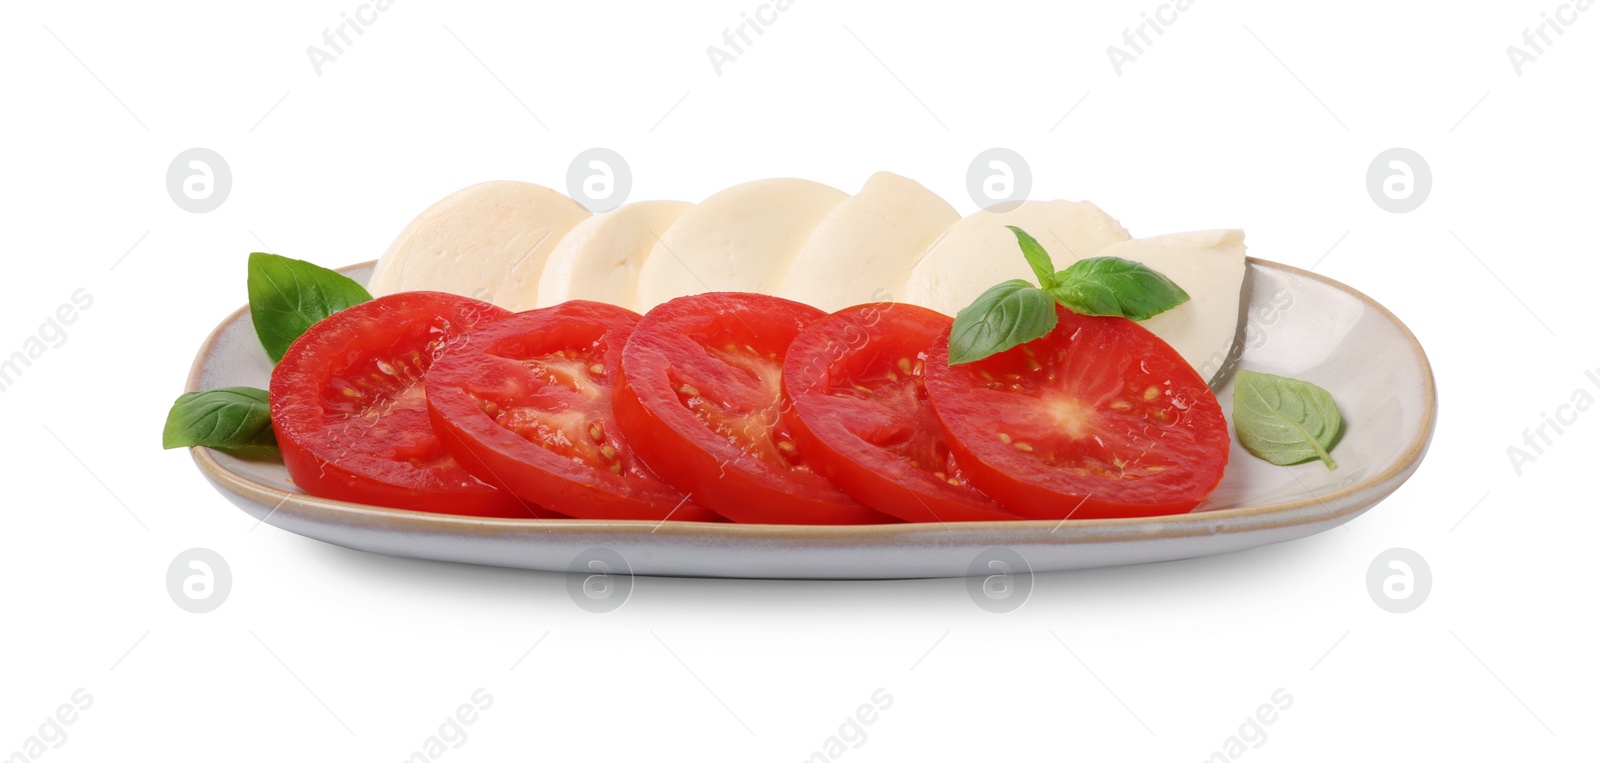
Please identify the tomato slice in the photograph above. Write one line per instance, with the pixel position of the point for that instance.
(861, 415)
(525, 404)
(701, 398)
(350, 412)
(1099, 418)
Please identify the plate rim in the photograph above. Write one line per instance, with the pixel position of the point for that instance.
(1207, 523)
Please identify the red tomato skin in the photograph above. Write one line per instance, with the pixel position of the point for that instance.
(345, 465)
(684, 450)
(826, 427)
(1038, 492)
(326, 479)
(503, 458)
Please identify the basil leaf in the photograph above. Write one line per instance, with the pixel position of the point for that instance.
(1038, 258)
(1003, 317)
(1284, 421)
(1115, 286)
(287, 296)
(237, 420)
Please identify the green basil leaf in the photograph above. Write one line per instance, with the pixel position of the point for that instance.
(1115, 286)
(1038, 258)
(288, 296)
(1003, 317)
(237, 420)
(1284, 421)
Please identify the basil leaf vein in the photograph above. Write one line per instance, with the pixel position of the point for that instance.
(1003, 317)
(1285, 421)
(288, 296)
(1115, 286)
(236, 420)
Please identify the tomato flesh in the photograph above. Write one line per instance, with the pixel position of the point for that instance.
(1100, 418)
(701, 401)
(349, 407)
(861, 412)
(526, 405)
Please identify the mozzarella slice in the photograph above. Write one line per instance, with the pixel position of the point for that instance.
(862, 250)
(740, 239)
(978, 251)
(1210, 266)
(600, 258)
(487, 241)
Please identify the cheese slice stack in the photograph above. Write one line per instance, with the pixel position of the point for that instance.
(519, 245)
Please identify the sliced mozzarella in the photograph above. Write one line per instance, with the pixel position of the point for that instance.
(1210, 266)
(862, 250)
(739, 239)
(488, 241)
(978, 251)
(600, 258)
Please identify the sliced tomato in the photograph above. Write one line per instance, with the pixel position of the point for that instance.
(1099, 418)
(861, 415)
(525, 404)
(349, 408)
(701, 400)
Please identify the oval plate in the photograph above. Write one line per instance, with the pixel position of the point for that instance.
(1296, 323)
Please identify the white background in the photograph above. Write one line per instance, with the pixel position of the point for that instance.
(1256, 115)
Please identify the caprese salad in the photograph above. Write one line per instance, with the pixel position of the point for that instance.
(780, 353)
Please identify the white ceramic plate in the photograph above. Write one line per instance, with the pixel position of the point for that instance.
(1297, 324)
